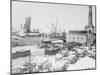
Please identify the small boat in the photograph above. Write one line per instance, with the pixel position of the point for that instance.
(19, 54)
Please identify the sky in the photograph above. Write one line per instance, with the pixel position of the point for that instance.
(67, 17)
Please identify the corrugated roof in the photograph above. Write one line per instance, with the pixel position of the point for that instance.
(77, 32)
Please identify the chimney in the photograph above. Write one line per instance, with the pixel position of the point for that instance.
(90, 16)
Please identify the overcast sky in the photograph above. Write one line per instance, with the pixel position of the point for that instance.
(68, 17)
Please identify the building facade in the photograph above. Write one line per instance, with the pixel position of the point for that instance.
(87, 36)
(77, 36)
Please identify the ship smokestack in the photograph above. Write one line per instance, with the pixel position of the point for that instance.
(27, 25)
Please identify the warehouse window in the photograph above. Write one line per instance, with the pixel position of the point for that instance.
(77, 37)
(82, 38)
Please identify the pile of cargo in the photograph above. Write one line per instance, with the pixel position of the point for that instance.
(83, 51)
(59, 61)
